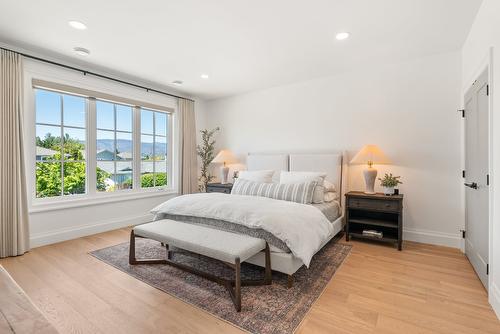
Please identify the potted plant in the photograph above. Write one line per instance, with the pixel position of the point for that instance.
(389, 182)
(206, 153)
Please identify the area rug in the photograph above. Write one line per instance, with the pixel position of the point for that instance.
(265, 309)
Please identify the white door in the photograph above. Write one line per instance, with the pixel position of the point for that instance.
(476, 176)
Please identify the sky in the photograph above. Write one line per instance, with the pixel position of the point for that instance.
(48, 111)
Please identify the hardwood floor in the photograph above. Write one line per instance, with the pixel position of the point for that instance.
(423, 289)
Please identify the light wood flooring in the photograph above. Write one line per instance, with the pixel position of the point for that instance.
(423, 289)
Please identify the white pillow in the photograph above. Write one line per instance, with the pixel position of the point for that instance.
(329, 187)
(301, 177)
(261, 176)
(330, 196)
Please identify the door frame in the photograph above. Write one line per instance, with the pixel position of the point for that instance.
(486, 64)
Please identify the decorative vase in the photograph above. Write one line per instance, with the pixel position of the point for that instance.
(388, 191)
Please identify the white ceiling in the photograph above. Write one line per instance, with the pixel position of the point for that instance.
(242, 45)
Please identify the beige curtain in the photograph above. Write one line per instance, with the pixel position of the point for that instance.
(189, 166)
(14, 233)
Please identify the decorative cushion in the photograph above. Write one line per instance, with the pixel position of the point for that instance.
(262, 176)
(329, 187)
(293, 192)
(330, 196)
(301, 177)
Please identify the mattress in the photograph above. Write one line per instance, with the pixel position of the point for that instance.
(331, 210)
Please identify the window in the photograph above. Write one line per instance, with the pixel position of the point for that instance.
(127, 147)
(154, 129)
(60, 144)
(114, 153)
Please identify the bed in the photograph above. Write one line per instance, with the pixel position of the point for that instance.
(280, 223)
(334, 165)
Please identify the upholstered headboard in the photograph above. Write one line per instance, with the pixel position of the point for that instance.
(262, 161)
(333, 164)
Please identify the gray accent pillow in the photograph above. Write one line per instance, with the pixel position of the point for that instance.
(293, 192)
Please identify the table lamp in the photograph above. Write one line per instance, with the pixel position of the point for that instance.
(224, 157)
(370, 154)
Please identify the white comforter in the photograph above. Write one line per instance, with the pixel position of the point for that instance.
(303, 228)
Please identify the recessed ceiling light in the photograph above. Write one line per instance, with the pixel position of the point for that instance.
(177, 82)
(204, 76)
(81, 51)
(77, 25)
(342, 35)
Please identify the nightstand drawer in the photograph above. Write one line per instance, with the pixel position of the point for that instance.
(224, 188)
(370, 204)
(218, 190)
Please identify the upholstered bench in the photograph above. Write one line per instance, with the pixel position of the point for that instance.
(230, 248)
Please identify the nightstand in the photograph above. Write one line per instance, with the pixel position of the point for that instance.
(374, 212)
(219, 188)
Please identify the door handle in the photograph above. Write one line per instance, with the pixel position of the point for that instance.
(472, 185)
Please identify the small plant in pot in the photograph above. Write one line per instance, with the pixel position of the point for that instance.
(389, 182)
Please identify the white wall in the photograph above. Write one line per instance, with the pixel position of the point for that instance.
(408, 109)
(57, 221)
(482, 47)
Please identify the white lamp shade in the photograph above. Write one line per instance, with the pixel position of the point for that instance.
(225, 157)
(370, 154)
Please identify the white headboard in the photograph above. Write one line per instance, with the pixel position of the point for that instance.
(276, 162)
(333, 164)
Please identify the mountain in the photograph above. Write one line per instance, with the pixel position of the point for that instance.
(124, 145)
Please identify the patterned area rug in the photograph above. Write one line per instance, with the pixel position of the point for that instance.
(265, 309)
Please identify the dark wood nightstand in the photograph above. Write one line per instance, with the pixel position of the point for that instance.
(374, 212)
(219, 188)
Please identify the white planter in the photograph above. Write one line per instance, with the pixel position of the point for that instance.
(388, 190)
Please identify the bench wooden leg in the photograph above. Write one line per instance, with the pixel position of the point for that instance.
(132, 258)
(237, 285)
(169, 252)
(290, 281)
(268, 276)
(131, 250)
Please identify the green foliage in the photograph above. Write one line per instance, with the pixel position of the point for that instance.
(74, 178)
(161, 179)
(390, 181)
(101, 176)
(48, 174)
(148, 180)
(49, 141)
(48, 179)
(206, 152)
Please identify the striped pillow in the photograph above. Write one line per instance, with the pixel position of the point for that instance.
(293, 192)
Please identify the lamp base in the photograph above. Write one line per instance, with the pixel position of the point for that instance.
(224, 172)
(370, 175)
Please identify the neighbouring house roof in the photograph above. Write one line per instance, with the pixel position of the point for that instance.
(108, 166)
(45, 152)
(105, 155)
(125, 155)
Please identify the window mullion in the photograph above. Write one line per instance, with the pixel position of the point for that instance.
(154, 149)
(169, 152)
(62, 143)
(91, 150)
(136, 151)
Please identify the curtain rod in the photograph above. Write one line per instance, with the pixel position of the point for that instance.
(85, 72)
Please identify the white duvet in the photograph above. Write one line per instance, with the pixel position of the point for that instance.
(303, 228)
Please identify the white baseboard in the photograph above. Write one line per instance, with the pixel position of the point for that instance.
(433, 237)
(59, 235)
(494, 298)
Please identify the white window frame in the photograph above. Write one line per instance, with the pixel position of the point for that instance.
(93, 111)
(62, 161)
(92, 196)
(154, 135)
